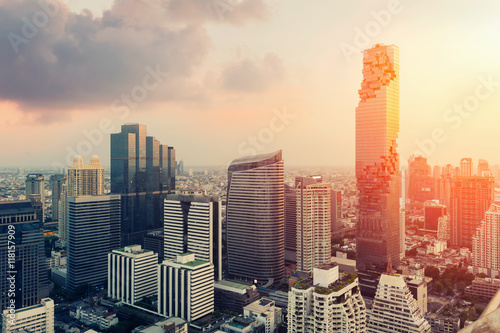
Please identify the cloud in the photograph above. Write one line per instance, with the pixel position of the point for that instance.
(253, 76)
(68, 61)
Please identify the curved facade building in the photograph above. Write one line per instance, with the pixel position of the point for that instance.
(255, 218)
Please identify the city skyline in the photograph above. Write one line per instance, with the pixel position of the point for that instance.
(250, 79)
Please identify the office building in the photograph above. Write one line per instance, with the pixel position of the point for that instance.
(395, 310)
(35, 318)
(35, 186)
(185, 287)
(377, 165)
(153, 241)
(234, 296)
(290, 225)
(193, 223)
(93, 232)
(418, 289)
(56, 183)
(132, 274)
(18, 218)
(143, 172)
(421, 182)
(470, 198)
(483, 287)
(255, 218)
(486, 243)
(327, 302)
(466, 167)
(314, 220)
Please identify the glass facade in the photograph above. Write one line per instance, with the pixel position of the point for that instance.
(377, 160)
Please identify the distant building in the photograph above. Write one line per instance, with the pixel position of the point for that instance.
(94, 231)
(193, 223)
(432, 212)
(486, 244)
(421, 182)
(35, 186)
(56, 183)
(132, 274)
(394, 308)
(170, 325)
(153, 241)
(290, 225)
(470, 199)
(327, 302)
(35, 318)
(185, 287)
(94, 315)
(483, 169)
(466, 167)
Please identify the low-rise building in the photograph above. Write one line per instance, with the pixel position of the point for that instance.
(443, 324)
(171, 325)
(36, 318)
(234, 296)
(243, 325)
(483, 287)
(97, 315)
(265, 311)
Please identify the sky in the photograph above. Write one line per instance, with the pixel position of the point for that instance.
(220, 79)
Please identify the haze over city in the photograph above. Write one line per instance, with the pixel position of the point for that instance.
(285, 74)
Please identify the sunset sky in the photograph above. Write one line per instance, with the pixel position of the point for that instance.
(283, 72)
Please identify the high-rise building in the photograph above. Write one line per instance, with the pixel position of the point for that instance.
(35, 318)
(432, 212)
(93, 232)
(377, 164)
(82, 180)
(185, 287)
(314, 220)
(153, 241)
(193, 223)
(35, 186)
(132, 274)
(337, 209)
(255, 218)
(85, 179)
(143, 172)
(290, 225)
(395, 310)
(56, 183)
(470, 198)
(421, 182)
(466, 167)
(24, 268)
(328, 302)
(486, 243)
(483, 168)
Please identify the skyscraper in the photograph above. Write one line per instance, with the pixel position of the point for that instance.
(56, 183)
(28, 265)
(470, 197)
(486, 244)
(466, 167)
(35, 186)
(377, 161)
(314, 219)
(193, 223)
(290, 225)
(93, 232)
(255, 218)
(421, 183)
(483, 168)
(143, 172)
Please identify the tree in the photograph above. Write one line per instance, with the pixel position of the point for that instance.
(433, 272)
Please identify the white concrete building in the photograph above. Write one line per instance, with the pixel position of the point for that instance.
(36, 318)
(132, 274)
(394, 308)
(314, 220)
(327, 302)
(185, 287)
(265, 311)
(486, 244)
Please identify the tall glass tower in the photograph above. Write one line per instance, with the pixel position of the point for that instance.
(377, 162)
(255, 218)
(143, 172)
